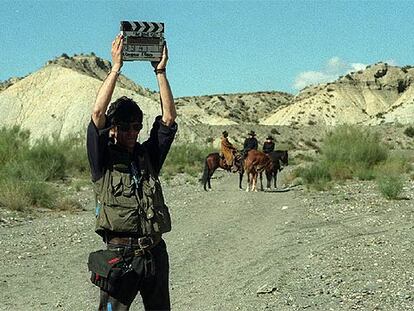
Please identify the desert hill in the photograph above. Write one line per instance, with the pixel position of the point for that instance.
(228, 109)
(380, 93)
(57, 100)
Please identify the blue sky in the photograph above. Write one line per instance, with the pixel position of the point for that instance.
(217, 46)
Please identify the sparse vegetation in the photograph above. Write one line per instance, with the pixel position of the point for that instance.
(409, 131)
(26, 170)
(274, 131)
(390, 186)
(351, 152)
(187, 158)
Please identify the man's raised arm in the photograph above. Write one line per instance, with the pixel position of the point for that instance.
(167, 101)
(105, 92)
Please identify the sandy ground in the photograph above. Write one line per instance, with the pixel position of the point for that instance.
(346, 249)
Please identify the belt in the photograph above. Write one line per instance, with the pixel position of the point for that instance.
(142, 244)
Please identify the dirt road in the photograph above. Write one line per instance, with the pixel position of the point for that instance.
(346, 249)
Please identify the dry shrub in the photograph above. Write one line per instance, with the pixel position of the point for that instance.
(12, 197)
(68, 204)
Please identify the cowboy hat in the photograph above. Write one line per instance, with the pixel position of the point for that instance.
(251, 133)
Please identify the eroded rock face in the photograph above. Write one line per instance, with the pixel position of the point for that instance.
(58, 101)
(368, 96)
(58, 98)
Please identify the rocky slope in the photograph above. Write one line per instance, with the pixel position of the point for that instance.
(57, 99)
(228, 109)
(380, 93)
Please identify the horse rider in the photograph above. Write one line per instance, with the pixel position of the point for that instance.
(268, 145)
(250, 143)
(228, 151)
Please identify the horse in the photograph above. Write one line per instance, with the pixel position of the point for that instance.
(254, 164)
(278, 158)
(214, 161)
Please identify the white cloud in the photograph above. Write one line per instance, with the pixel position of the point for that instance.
(335, 64)
(311, 77)
(391, 62)
(334, 68)
(357, 67)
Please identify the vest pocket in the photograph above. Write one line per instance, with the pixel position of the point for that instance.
(119, 219)
(122, 191)
(162, 219)
(157, 216)
(116, 185)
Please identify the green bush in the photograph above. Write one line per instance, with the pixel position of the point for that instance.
(316, 176)
(75, 155)
(390, 186)
(25, 167)
(13, 196)
(354, 146)
(409, 131)
(13, 141)
(365, 173)
(347, 152)
(47, 159)
(187, 158)
(18, 195)
(41, 194)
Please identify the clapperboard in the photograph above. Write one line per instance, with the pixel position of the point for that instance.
(142, 40)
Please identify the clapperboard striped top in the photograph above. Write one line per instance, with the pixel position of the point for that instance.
(142, 40)
(142, 26)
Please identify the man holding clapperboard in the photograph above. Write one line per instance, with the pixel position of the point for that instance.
(130, 212)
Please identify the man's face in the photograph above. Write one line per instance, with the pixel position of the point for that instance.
(126, 134)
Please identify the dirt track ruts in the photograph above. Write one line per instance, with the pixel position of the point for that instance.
(346, 249)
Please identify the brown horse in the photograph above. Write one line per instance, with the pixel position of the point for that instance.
(279, 159)
(254, 164)
(214, 161)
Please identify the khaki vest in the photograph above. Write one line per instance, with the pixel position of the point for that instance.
(130, 203)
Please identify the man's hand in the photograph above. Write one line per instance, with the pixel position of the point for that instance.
(116, 52)
(162, 64)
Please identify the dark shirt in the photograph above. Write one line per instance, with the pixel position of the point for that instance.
(268, 147)
(157, 146)
(249, 144)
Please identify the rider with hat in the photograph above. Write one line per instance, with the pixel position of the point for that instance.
(228, 150)
(250, 143)
(268, 145)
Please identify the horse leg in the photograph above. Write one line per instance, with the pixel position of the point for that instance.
(240, 179)
(261, 181)
(210, 174)
(275, 179)
(268, 180)
(248, 181)
(254, 181)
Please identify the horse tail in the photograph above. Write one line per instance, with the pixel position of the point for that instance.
(204, 178)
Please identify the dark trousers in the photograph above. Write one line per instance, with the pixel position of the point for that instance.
(148, 276)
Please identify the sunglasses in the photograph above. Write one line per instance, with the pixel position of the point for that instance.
(125, 127)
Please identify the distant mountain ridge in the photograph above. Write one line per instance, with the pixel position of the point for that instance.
(57, 99)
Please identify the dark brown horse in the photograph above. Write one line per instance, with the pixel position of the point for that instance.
(279, 159)
(214, 161)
